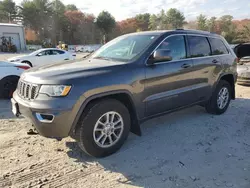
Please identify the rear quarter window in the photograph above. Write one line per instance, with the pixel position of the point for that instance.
(199, 46)
(218, 47)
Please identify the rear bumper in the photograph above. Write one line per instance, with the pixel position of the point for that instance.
(52, 119)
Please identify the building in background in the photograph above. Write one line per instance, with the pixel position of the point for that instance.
(15, 32)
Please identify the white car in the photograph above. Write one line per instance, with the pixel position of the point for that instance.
(9, 76)
(44, 56)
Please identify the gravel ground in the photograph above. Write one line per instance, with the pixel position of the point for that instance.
(189, 148)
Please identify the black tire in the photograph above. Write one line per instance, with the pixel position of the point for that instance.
(87, 123)
(212, 106)
(28, 63)
(8, 86)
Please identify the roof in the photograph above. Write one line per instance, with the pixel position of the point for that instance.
(181, 31)
(11, 25)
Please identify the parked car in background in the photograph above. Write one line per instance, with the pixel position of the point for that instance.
(9, 76)
(132, 78)
(44, 56)
(243, 53)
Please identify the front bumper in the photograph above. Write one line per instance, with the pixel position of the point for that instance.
(243, 81)
(39, 112)
(243, 75)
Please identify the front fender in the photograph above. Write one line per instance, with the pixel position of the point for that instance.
(94, 94)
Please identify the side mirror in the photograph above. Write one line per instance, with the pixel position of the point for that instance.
(38, 55)
(160, 56)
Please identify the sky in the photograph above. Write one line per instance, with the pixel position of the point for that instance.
(122, 9)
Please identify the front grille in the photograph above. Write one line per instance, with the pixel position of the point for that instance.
(27, 90)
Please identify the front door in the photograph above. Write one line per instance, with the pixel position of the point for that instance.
(168, 84)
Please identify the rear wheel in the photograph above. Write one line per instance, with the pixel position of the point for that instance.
(220, 99)
(8, 86)
(104, 129)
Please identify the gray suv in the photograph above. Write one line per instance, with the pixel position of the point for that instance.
(138, 76)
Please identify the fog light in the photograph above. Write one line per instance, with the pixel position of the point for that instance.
(45, 118)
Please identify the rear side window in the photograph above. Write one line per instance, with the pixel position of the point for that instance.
(218, 47)
(176, 45)
(199, 46)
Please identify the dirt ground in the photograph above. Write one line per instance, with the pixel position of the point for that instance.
(187, 149)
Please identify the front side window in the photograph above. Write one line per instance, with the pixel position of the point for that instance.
(176, 46)
(218, 47)
(199, 46)
(124, 48)
(43, 53)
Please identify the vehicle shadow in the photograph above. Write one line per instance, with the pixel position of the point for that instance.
(188, 148)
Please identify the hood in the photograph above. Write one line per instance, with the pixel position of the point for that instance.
(5, 64)
(10, 64)
(242, 50)
(70, 70)
(17, 57)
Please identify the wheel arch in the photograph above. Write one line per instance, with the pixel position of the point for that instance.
(27, 62)
(231, 80)
(123, 96)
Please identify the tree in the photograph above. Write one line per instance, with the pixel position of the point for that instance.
(228, 28)
(71, 7)
(153, 22)
(211, 23)
(190, 25)
(244, 35)
(81, 28)
(127, 26)
(58, 21)
(175, 19)
(37, 15)
(106, 23)
(202, 22)
(142, 21)
(159, 21)
(8, 11)
(226, 22)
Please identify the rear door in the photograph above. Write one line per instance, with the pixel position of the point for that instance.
(207, 66)
(58, 56)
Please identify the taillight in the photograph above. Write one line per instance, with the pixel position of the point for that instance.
(22, 67)
(237, 60)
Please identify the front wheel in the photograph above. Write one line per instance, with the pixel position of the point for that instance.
(220, 99)
(8, 86)
(104, 129)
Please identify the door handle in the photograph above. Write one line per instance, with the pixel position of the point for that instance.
(214, 61)
(185, 66)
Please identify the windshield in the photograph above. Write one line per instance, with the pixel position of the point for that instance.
(124, 48)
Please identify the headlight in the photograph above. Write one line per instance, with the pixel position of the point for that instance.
(55, 90)
(15, 60)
